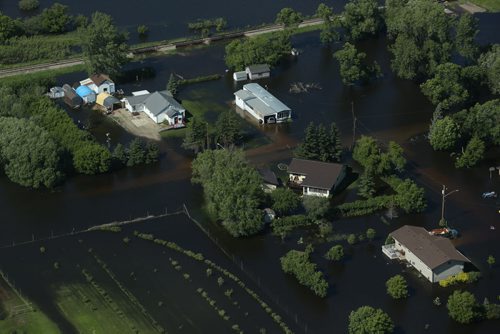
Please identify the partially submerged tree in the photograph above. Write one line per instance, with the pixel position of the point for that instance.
(361, 19)
(288, 17)
(353, 68)
(329, 31)
(397, 287)
(473, 153)
(284, 201)
(367, 319)
(463, 307)
(490, 63)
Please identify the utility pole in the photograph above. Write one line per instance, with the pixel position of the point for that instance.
(444, 195)
(207, 134)
(353, 125)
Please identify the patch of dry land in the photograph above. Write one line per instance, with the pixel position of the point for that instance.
(139, 125)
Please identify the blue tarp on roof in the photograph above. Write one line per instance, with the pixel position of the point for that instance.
(83, 91)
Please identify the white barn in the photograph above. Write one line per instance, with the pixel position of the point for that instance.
(261, 104)
(159, 106)
(434, 257)
(99, 83)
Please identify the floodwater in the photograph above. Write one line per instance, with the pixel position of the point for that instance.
(389, 109)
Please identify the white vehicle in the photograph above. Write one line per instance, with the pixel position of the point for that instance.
(490, 194)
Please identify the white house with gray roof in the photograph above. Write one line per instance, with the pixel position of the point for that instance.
(434, 257)
(261, 104)
(159, 106)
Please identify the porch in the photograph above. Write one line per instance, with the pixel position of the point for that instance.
(392, 252)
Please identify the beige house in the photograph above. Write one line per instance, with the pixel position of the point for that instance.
(434, 257)
(316, 178)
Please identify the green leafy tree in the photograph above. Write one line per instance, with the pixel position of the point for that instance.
(473, 153)
(265, 49)
(334, 145)
(352, 65)
(316, 207)
(463, 307)
(136, 154)
(446, 87)
(80, 21)
(410, 197)
(297, 263)
(92, 158)
(104, 47)
(370, 234)
(196, 135)
(329, 31)
(466, 31)
(7, 27)
(491, 310)
(55, 19)
(335, 253)
(284, 201)
(481, 120)
(361, 19)
(421, 33)
(351, 239)
(443, 133)
(232, 190)
(491, 260)
(173, 84)
(288, 17)
(366, 185)
(151, 152)
(397, 287)
(28, 4)
(368, 320)
(489, 62)
(228, 128)
(28, 155)
(120, 154)
(368, 154)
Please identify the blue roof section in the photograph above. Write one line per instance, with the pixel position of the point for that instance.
(83, 91)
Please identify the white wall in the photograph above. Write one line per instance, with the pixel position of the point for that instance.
(315, 192)
(447, 269)
(415, 262)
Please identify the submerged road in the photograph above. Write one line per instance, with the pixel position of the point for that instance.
(157, 48)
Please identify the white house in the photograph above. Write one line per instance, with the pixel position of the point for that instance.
(261, 104)
(159, 106)
(258, 71)
(99, 83)
(434, 257)
(316, 178)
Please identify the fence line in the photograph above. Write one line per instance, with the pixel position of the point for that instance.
(254, 278)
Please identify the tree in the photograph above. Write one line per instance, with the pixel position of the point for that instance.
(28, 4)
(7, 27)
(410, 197)
(361, 19)
(173, 84)
(151, 152)
(481, 121)
(395, 156)
(491, 310)
(421, 33)
(142, 30)
(446, 88)
(232, 190)
(136, 154)
(196, 135)
(352, 65)
(491, 260)
(489, 62)
(336, 253)
(228, 128)
(329, 32)
(28, 155)
(288, 17)
(463, 307)
(397, 287)
(368, 154)
(308, 149)
(351, 239)
(120, 154)
(318, 144)
(370, 234)
(443, 133)
(366, 185)
(368, 320)
(334, 145)
(55, 19)
(284, 201)
(316, 207)
(104, 47)
(92, 158)
(466, 31)
(268, 49)
(473, 153)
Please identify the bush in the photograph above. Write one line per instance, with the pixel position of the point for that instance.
(462, 277)
(463, 307)
(365, 207)
(397, 287)
(367, 319)
(370, 234)
(283, 226)
(316, 207)
(142, 30)
(285, 201)
(336, 253)
(351, 239)
(28, 4)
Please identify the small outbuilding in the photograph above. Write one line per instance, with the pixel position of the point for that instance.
(269, 180)
(258, 71)
(109, 102)
(99, 83)
(240, 76)
(71, 98)
(87, 94)
(56, 92)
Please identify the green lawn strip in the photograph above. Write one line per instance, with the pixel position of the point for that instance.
(490, 5)
(27, 322)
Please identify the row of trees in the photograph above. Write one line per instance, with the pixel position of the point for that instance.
(232, 190)
(320, 144)
(464, 308)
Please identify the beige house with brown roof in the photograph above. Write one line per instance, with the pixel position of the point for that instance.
(316, 178)
(434, 257)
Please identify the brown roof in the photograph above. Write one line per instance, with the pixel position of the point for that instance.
(268, 176)
(98, 79)
(322, 175)
(433, 251)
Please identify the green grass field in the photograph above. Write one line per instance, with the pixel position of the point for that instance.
(490, 5)
(25, 321)
(89, 312)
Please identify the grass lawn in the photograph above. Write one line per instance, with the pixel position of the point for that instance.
(490, 5)
(90, 313)
(27, 322)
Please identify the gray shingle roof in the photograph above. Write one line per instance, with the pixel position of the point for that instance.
(321, 175)
(268, 176)
(258, 68)
(261, 100)
(157, 103)
(433, 251)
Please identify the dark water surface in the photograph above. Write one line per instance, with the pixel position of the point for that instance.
(389, 109)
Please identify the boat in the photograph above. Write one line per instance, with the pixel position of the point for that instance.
(444, 232)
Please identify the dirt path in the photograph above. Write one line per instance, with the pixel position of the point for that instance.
(140, 125)
(472, 8)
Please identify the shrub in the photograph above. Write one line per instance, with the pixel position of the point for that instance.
(28, 4)
(42, 249)
(367, 319)
(397, 287)
(142, 30)
(463, 307)
(351, 239)
(336, 253)
(462, 277)
(370, 234)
